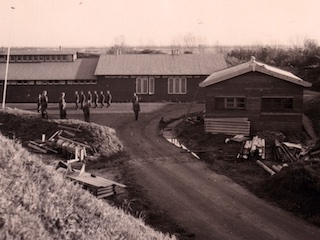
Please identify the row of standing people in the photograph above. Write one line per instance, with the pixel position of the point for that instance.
(94, 99)
(85, 104)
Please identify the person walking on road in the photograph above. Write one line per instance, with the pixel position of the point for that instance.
(86, 111)
(135, 106)
(136, 109)
(62, 106)
(76, 99)
(108, 99)
(44, 105)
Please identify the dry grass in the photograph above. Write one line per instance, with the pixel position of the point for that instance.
(38, 203)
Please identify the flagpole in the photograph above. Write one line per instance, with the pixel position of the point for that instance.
(7, 66)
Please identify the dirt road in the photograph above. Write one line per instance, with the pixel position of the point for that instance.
(207, 204)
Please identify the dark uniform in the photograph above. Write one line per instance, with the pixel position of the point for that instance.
(76, 99)
(62, 106)
(136, 109)
(86, 111)
(108, 98)
(102, 99)
(44, 105)
(82, 99)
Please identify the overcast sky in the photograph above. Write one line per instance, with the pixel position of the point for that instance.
(67, 23)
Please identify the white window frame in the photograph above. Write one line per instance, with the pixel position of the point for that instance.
(145, 85)
(177, 85)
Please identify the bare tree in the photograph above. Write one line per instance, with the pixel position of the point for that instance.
(190, 42)
(311, 47)
(119, 46)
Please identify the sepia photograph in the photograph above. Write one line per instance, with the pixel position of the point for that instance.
(167, 120)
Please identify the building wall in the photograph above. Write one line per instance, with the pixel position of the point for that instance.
(254, 86)
(123, 87)
(29, 93)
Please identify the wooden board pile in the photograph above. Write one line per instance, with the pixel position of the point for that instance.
(61, 142)
(255, 147)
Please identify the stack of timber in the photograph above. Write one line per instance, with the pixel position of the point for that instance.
(98, 186)
(253, 148)
(284, 153)
(229, 126)
(61, 142)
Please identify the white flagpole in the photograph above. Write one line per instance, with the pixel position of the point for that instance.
(7, 67)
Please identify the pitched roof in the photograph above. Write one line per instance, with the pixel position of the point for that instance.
(160, 64)
(252, 66)
(79, 69)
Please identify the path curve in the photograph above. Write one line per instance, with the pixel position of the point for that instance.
(209, 205)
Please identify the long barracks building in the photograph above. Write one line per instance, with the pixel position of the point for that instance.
(154, 77)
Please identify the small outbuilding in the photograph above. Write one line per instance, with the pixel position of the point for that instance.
(253, 97)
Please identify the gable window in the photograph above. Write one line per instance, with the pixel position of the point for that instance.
(230, 102)
(276, 104)
(177, 85)
(145, 85)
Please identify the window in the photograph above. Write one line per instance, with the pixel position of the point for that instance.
(230, 103)
(145, 85)
(177, 85)
(276, 104)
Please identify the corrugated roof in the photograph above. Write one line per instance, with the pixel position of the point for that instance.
(160, 64)
(79, 69)
(252, 66)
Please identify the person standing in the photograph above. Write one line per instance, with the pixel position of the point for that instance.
(39, 102)
(109, 98)
(82, 99)
(89, 97)
(86, 111)
(76, 99)
(62, 106)
(102, 99)
(44, 105)
(136, 109)
(95, 99)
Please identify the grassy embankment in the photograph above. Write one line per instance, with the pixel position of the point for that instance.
(39, 203)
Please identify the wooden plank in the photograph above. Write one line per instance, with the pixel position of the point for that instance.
(69, 128)
(105, 195)
(35, 147)
(94, 181)
(57, 133)
(71, 134)
(75, 142)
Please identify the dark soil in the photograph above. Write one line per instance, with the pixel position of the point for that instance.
(295, 188)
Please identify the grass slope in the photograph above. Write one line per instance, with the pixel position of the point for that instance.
(39, 203)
